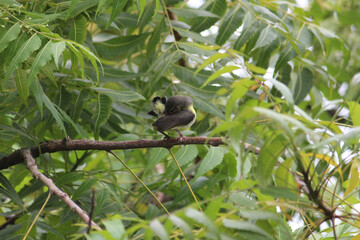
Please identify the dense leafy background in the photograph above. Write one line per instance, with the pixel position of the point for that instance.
(269, 73)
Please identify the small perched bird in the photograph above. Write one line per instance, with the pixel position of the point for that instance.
(177, 113)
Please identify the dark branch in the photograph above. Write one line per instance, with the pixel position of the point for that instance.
(83, 144)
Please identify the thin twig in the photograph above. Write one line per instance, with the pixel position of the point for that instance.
(31, 164)
(140, 181)
(334, 227)
(37, 216)
(183, 175)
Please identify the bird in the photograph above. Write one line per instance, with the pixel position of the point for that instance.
(177, 113)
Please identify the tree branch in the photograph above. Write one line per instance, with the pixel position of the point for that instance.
(83, 144)
(31, 164)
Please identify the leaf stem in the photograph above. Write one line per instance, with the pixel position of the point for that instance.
(139, 180)
(183, 175)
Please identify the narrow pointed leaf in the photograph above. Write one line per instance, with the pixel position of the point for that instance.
(22, 84)
(121, 96)
(57, 49)
(303, 85)
(22, 54)
(114, 47)
(251, 26)
(9, 191)
(78, 29)
(117, 6)
(191, 13)
(213, 158)
(41, 59)
(159, 229)
(156, 155)
(102, 112)
(84, 186)
(267, 35)
(217, 7)
(8, 36)
(185, 155)
(225, 69)
(71, 8)
(209, 107)
(231, 22)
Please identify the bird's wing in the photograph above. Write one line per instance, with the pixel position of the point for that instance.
(171, 121)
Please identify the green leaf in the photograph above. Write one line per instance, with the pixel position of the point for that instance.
(285, 91)
(268, 156)
(50, 105)
(267, 36)
(78, 29)
(194, 36)
(225, 69)
(147, 14)
(78, 105)
(79, 57)
(116, 228)
(102, 112)
(39, 95)
(80, 7)
(57, 49)
(195, 48)
(49, 229)
(304, 83)
(121, 96)
(354, 176)
(240, 89)
(183, 225)
(202, 219)
(245, 226)
(159, 229)
(9, 191)
(115, 47)
(84, 186)
(72, 7)
(185, 155)
(117, 6)
(41, 59)
(68, 178)
(304, 39)
(213, 158)
(207, 106)
(156, 155)
(191, 13)
(251, 26)
(22, 85)
(93, 59)
(286, 193)
(155, 37)
(217, 7)
(11, 3)
(354, 109)
(212, 59)
(22, 54)
(77, 128)
(8, 36)
(230, 23)
(101, 198)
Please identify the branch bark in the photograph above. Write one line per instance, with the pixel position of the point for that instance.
(83, 144)
(31, 164)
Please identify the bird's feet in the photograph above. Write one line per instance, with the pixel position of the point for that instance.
(182, 137)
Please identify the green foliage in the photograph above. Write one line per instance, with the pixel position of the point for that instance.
(278, 82)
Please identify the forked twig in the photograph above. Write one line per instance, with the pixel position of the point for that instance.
(31, 164)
